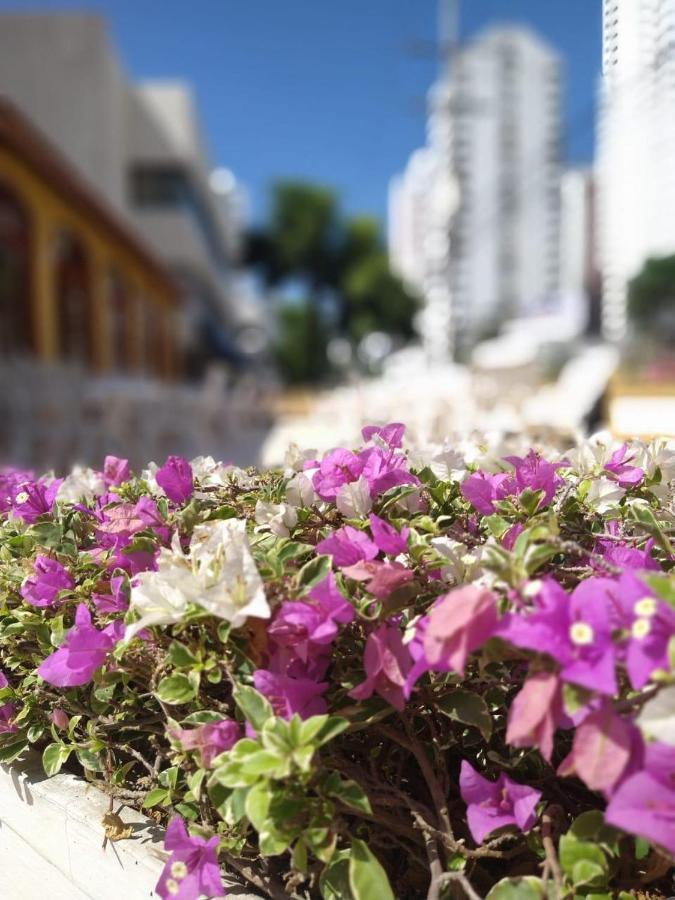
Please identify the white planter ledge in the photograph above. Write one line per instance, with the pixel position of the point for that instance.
(51, 842)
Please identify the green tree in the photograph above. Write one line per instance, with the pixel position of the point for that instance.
(301, 343)
(651, 297)
(341, 264)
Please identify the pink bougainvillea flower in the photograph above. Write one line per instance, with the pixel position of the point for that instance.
(391, 435)
(330, 600)
(49, 579)
(494, 804)
(601, 750)
(116, 471)
(644, 804)
(11, 480)
(482, 490)
(60, 718)
(309, 626)
(192, 871)
(347, 546)
(534, 473)
(387, 538)
(117, 600)
(291, 695)
(382, 576)
(509, 539)
(535, 713)
(208, 740)
(625, 475)
(337, 467)
(385, 469)
(575, 630)
(175, 478)
(621, 554)
(459, 623)
(386, 661)
(83, 651)
(648, 622)
(35, 498)
(7, 711)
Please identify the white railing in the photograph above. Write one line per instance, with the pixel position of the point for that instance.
(53, 415)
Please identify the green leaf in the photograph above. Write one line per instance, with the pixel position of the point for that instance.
(468, 709)
(349, 792)
(155, 797)
(329, 730)
(583, 862)
(313, 571)
(527, 888)
(258, 804)
(88, 760)
(181, 656)
(367, 878)
(334, 880)
(176, 689)
(299, 856)
(256, 708)
(265, 762)
(272, 843)
(13, 749)
(53, 758)
(642, 848)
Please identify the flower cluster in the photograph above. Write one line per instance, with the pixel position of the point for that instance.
(442, 669)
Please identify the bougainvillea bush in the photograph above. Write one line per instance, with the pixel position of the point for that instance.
(374, 673)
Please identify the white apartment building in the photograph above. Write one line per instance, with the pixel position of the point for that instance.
(579, 275)
(636, 147)
(499, 115)
(141, 146)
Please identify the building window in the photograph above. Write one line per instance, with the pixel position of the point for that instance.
(73, 300)
(158, 186)
(15, 297)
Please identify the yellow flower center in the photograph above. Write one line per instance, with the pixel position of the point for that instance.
(581, 634)
(179, 870)
(645, 607)
(22, 497)
(172, 886)
(641, 628)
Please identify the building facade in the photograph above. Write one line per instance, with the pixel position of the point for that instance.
(636, 147)
(76, 284)
(579, 288)
(496, 118)
(141, 146)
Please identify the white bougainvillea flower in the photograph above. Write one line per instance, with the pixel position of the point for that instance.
(603, 494)
(657, 718)
(459, 566)
(82, 484)
(300, 491)
(280, 518)
(295, 458)
(219, 574)
(161, 597)
(353, 499)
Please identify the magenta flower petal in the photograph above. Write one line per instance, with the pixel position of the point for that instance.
(192, 871)
(175, 478)
(493, 805)
(43, 587)
(645, 805)
(387, 538)
(347, 546)
(83, 651)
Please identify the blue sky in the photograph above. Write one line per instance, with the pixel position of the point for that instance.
(329, 90)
